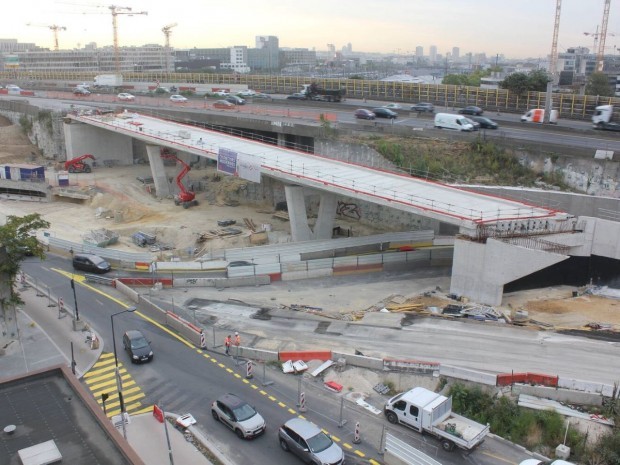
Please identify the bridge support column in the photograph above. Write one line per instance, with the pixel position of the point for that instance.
(325, 221)
(162, 186)
(479, 271)
(281, 140)
(298, 217)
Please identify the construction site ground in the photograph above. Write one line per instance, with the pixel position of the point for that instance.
(121, 203)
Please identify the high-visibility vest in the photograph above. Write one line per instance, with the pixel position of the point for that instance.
(237, 340)
(227, 341)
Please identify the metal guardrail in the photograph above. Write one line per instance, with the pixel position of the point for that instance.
(96, 279)
(404, 453)
(109, 254)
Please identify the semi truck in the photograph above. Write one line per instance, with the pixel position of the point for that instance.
(603, 118)
(428, 412)
(314, 92)
(108, 80)
(537, 115)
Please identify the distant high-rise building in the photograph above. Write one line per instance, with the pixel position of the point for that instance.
(266, 55)
(433, 54)
(455, 53)
(419, 52)
(267, 42)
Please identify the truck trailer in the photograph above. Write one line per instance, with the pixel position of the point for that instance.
(108, 80)
(314, 92)
(428, 412)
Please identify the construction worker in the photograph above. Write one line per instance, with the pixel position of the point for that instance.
(227, 343)
(237, 339)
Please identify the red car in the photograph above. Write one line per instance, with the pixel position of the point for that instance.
(223, 105)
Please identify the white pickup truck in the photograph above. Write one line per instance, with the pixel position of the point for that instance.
(428, 412)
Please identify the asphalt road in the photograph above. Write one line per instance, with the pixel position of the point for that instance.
(183, 380)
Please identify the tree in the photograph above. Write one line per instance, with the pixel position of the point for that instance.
(538, 80)
(598, 84)
(516, 82)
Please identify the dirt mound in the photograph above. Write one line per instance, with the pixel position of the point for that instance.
(15, 147)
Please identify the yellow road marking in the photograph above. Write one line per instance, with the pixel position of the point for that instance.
(282, 405)
(348, 446)
(263, 392)
(302, 417)
(271, 398)
(291, 411)
(359, 452)
(246, 381)
(373, 462)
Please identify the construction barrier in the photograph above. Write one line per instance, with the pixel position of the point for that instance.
(359, 360)
(506, 379)
(306, 355)
(149, 282)
(481, 377)
(410, 366)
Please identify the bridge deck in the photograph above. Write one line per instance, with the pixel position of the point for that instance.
(446, 203)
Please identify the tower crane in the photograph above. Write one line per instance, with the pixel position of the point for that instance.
(55, 29)
(120, 10)
(553, 62)
(167, 30)
(600, 55)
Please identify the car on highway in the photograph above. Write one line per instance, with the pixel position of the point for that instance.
(12, 88)
(393, 106)
(475, 124)
(261, 95)
(125, 97)
(611, 126)
(423, 107)
(221, 93)
(223, 105)
(137, 346)
(485, 123)
(235, 100)
(81, 91)
(297, 96)
(363, 113)
(90, 262)
(246, 93)
(239, 416)
(176, 98)
(471, 110)
(384, 113)
(309, 443)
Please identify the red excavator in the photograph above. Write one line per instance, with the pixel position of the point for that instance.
(77, 164)
(185, 198)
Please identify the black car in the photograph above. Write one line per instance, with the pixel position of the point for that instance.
(362, 113)
(235, 100)
(297, 96)
(136, 345)
(475, 124)
(471, 110)
(90, 262)
(485, 123)
(81, 91)
(423, 107)
(385, 113)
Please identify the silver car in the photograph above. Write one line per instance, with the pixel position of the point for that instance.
(309, 443)
(239, 416)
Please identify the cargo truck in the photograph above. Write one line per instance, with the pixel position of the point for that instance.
(314, 92)
(108, 80)
(603, 118)
(428, 412)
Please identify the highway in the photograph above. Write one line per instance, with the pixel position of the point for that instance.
(184, 379)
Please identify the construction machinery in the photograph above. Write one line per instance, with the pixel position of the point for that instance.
(54, 28)
(167, 31)
(78, 165)
(115, 11)
(186, 198)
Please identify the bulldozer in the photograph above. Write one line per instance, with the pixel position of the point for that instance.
(78, 165)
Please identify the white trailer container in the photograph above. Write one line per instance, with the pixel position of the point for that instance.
(428, 412)
(108, 80)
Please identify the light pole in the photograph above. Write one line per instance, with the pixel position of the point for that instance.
(77, 313)
(119, 384)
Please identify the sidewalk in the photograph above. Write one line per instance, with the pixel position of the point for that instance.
(45, 340)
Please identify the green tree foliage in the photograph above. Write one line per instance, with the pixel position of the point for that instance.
(598, 84)
(17, 236)
(471, 80)
(520, 83)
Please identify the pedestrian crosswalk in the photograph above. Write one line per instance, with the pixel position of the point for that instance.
(102, 382)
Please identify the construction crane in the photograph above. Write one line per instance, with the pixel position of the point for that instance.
(120, 10)
(553, 62)
(55, 29)
(600, 55)
(167, 30)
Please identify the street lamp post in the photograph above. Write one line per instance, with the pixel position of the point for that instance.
(119, 383)
(77, 313)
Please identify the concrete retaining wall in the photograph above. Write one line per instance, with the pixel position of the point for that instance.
(468, 375)
(192, 266)
(586, 386)
(562, 395)
(127, 291)
(222, 283)
(359, 361)
(258, 354)
(294, 275)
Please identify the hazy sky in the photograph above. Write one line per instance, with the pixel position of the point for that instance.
(515, 28)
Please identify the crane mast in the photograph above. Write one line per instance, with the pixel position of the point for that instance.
(120, 10)
(600, 56)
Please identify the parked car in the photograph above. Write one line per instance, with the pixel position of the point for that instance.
(81, 91)
(223, 105)
(125, 97)
(385, 113)
(297, 96)
(485, 123)
(393, 106)
(475, 124)
(423, 107)
(235, 100)
(137, 346)
(309, 443)
(246, 93)
(90, 262)
(362, 113)
(239, 416)
(471, 110)
(178, 98)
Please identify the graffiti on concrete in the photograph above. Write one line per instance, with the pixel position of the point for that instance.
(350, 210)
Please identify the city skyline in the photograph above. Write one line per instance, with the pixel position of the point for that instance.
(518, 30)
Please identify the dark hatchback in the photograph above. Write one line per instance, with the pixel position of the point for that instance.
(385, 113)
(136, 345)
(362, 113)
(471, 110)
(90, 262)
(423, 107)
(485, 123)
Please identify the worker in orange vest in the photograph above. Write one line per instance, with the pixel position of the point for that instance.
(237, 339)
(227, 343)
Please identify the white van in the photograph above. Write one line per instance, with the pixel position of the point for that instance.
(448, 121)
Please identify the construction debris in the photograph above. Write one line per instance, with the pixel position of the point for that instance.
(250, 224)
(322, 368)
(294, 367)
(100, 237)
(281, 215)
(538, 403)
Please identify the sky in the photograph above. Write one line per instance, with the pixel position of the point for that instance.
(514, 28)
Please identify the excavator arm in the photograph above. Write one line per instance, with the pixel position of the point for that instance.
(185, 197)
